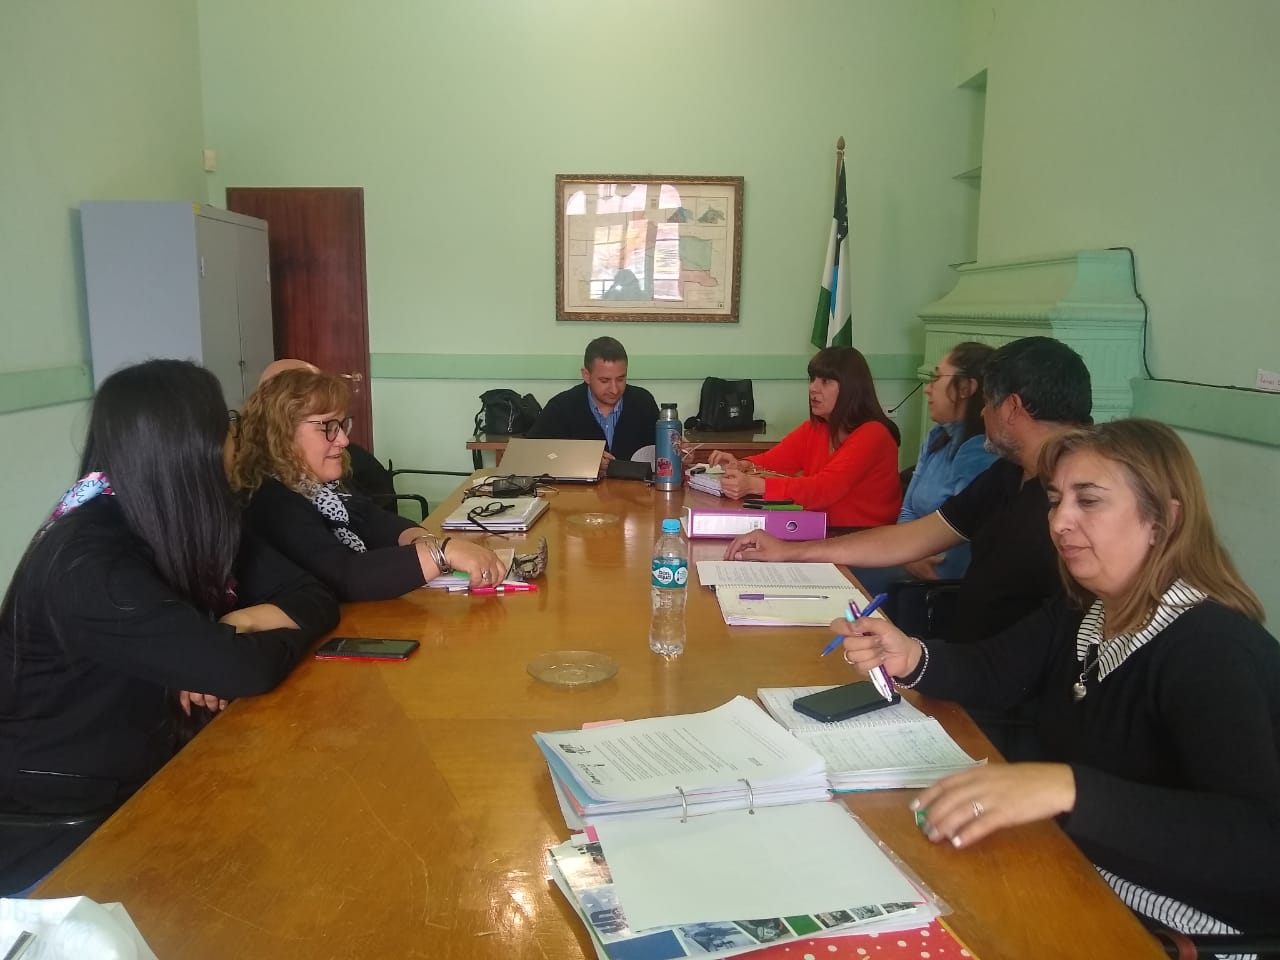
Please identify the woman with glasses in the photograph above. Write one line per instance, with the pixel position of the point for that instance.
(139, 589)
(843, 460)
(952, 454)
(291, 462)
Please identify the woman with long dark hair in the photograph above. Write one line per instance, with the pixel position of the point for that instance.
(843, 460)
(139, 589)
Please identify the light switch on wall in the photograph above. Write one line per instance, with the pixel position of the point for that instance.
(210, 160)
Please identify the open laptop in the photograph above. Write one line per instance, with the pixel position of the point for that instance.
(566, 461)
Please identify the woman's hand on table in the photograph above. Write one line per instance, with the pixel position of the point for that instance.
(965, 807)
(479, 563)
(719, 458)
(211, 702)
(260, 616)
(735, 484)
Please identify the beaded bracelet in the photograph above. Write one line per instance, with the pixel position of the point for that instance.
(921, 667)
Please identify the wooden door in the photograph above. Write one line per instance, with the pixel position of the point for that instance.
(318, 287)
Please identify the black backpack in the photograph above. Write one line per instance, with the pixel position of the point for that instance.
(725, 405)
(506, 412)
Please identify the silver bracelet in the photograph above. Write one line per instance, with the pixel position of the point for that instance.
(921, 667)
(435, 550)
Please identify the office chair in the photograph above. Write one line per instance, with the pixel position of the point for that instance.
(923, 608)
(371, 479)
(42, 821)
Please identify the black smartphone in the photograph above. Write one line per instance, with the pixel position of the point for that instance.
(841, 703)
(365, 648)
(761, 504)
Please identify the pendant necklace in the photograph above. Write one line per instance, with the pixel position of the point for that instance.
(1092, 658)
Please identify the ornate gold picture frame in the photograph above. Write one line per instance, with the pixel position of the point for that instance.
(648, 248)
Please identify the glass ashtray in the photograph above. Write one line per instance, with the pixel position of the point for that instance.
(593, 521)
(572, 668)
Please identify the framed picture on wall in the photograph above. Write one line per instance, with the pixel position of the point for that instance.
(639, 248)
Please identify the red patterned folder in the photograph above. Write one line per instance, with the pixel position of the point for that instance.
(932, 942)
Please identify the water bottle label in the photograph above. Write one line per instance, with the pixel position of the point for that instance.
(670, 573)
(664, 468)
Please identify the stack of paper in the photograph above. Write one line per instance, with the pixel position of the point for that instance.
(779, 594)
(707, 481)
(895, 746)
(507, 515)
(730, 882)
(731, 758)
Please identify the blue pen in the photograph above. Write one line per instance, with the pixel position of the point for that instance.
(879, 676)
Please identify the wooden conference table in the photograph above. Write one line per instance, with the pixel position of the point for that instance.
(740, 443)
(397, 810)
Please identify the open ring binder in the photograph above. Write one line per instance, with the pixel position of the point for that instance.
(684, 800)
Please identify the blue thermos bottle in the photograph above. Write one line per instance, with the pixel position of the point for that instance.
(666, 461)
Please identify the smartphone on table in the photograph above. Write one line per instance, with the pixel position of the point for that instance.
(365, 648)
(841, 703)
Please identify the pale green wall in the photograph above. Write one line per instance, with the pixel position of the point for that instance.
(1139, 122)
(455, 117)
(97, 101)
(1150, 124)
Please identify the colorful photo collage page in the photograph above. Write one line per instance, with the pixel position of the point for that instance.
(580, 870)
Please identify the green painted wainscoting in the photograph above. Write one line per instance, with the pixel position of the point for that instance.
(32, 389)
(546, 366)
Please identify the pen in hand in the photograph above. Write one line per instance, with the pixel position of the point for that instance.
(879, 675)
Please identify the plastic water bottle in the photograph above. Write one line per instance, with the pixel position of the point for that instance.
(666, 462)
(668, 589)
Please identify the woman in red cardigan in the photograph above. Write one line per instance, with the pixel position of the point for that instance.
(842, 460)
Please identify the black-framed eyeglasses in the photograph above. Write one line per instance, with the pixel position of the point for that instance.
(485, 511)
(233, 423)
(331, 427)
(936, 376)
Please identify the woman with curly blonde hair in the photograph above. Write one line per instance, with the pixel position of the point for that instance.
(291, 463)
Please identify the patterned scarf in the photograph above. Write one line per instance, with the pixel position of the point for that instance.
(331, 502)
(97, 484)
(82, 491)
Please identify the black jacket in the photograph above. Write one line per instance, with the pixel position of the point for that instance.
(290, 523)
(567, 416)
(93, 703)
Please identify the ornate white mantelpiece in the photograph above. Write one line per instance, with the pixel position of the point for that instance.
(1085, 298)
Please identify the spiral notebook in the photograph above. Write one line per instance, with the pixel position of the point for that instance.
(754, 594)
(895, 746)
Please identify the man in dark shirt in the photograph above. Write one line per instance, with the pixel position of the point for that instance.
(602, 407)
(1033, 388)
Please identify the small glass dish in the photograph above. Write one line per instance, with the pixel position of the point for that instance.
(593, 521)
(572, 668)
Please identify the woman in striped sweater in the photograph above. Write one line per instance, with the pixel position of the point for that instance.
(1159, 692)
